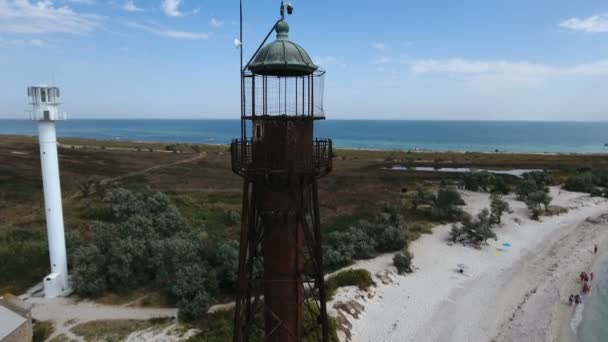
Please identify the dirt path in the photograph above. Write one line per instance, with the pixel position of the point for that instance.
(67, 313)
(104, 181)
(154, 168)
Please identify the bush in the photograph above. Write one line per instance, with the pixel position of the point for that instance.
(535, 201)
(543, 178)
(226, 264)
(352, 243)
(497, 207)
(423, 197)
(144, 240)
(403, 262)
(193, 287)
(357, 277)
(582, 182)
(42, 331)
(473, 230)
(485, 181)
(364, 239)
(445, 205)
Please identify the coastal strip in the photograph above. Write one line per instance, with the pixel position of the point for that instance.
(507, 294)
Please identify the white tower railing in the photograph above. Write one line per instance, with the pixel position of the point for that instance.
(44, 101)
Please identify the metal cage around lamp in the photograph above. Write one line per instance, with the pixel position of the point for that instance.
(272, 95)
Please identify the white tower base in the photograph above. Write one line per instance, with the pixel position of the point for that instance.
(55, 284)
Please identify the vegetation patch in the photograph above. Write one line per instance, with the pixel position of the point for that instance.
(145, 242)
(43, 330)
(357, 277)
(473, 230)
(364, 239)
(114, 330)
(24, 255)
(403, 262)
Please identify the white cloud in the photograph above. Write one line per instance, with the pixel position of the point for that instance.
(171, 7)
(83, 2)
(463, 66)
(216, 23)
(168, 33)
(379, 46)
(595, 23)
(495, 74)
(22, 16)
(324, 60)
(382, 60)
(130, 6)
(22, 42)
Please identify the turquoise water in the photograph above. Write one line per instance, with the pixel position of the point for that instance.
(482, 136)
(594, 327)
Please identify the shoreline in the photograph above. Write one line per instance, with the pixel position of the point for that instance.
(364, 149)
(511, 294)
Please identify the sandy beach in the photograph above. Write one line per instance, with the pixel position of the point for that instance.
(506, 294)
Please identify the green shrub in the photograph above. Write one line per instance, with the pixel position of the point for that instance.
(497, 207)
(403, 262)
(145, 241)
(43, 330)
(226, 264)
(535, 202)
(444, 204)
(476, 230)
(485, 181)
(194, 286)
(582, 182)
(357, 277)
(364, 239)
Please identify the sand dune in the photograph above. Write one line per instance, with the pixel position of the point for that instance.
(507, 294)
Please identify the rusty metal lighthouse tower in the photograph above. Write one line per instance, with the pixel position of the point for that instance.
(281, 294)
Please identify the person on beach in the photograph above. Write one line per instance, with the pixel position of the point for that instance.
(583, 277)
(595, 249)
(591, 277)
(577, 299)
(586, 288)
(571, 299)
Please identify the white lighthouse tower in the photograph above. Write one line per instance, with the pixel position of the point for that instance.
(45, 103)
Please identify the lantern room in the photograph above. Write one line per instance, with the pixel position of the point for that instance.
(45, 103)
(282, 80)
(282, 98)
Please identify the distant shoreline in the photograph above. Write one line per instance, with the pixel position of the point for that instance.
(388, 150)
(456, 136)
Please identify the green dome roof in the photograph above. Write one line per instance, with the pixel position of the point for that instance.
(282, 57)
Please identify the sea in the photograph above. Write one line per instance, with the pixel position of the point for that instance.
(473, 136)
(589, 323)
(424, 135)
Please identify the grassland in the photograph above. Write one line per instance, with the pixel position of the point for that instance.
(201, 184)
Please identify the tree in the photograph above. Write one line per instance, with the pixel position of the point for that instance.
(227, 264)
(403, 261)
(582, 182)
(193, 288)
(485, 181)
(473, 230)
(535, 201)
(423, 197)
(445, 205)
(497, 207)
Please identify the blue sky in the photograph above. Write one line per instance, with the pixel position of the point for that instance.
(492, 60)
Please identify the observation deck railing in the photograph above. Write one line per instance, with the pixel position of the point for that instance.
(318, 164)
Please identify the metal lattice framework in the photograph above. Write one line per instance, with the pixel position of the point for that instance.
(250, 305)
